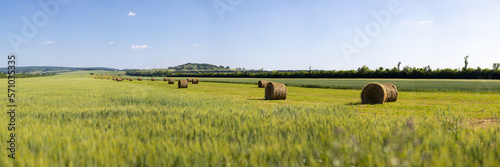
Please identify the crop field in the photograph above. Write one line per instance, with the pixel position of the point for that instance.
(421, 85)
(73, 119)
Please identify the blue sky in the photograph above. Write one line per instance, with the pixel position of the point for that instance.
(254, 34)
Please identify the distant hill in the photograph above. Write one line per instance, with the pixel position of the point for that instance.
(200, 67)
(53, 69)
(194, 68)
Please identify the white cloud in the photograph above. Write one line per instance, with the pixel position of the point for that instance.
(111, 42)
(139, 46)
(196, 45)
(49, 42)
(131, 14)
(425, 22)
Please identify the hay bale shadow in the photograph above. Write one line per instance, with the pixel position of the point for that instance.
(257, 99)
(355, 103)
(360, 104)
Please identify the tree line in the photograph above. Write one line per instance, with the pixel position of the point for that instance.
(362, 72)
(27, 75)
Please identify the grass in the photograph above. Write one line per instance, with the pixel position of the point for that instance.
(74, 120)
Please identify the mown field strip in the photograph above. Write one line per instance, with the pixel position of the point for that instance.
(420, 85)
(471, 104)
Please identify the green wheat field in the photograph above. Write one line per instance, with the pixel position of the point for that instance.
(72, 119)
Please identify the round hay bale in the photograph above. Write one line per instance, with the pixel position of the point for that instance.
(190, 80)
(152, 79)
(376, 93)
(182, 84)
(262, 84)
(139, 79)
(373, 93)
(276, 91)
(171, 81)
(195, 81)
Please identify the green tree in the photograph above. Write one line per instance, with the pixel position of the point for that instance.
(496, 66)
(363, 70)
(466, 61)
(428, 69)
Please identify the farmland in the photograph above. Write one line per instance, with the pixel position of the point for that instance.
(421, 85)
(75, 120)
